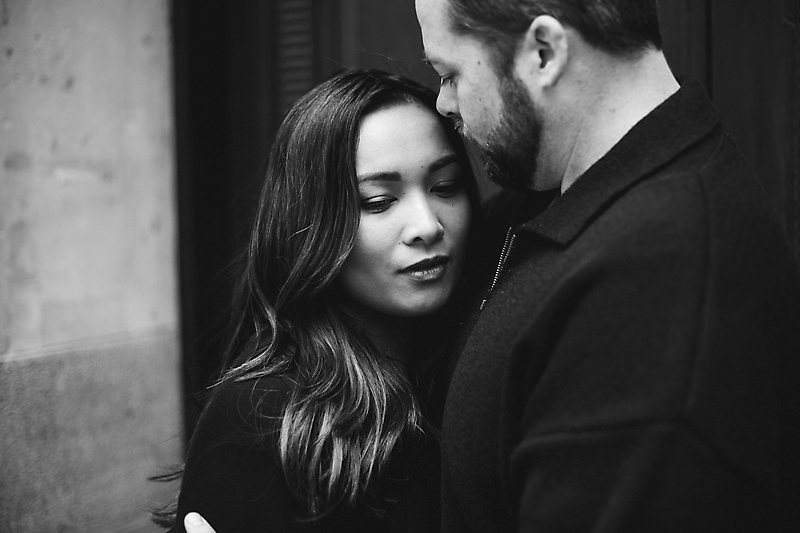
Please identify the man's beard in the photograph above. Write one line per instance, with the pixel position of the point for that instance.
(512, 146)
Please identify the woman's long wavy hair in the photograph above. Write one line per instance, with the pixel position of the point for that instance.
(351, 405)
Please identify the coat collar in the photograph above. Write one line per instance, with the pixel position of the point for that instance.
(679, 122)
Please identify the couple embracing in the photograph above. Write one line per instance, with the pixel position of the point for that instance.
(611, 344)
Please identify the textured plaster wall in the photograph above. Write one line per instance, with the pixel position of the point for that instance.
(89, 403)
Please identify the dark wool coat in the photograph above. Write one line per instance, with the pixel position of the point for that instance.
(636, 366)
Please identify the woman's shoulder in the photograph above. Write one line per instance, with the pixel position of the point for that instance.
(246, 410)
(233, 474)
(264, 393)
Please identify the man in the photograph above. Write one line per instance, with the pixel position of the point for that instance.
(630, 367)
(632, 363)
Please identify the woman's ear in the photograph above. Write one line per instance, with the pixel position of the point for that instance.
(543, 53)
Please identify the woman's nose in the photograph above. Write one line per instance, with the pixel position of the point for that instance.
(422, 224)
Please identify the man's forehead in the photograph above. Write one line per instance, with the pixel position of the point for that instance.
(432, 14)
(437, 35)
(427, 5)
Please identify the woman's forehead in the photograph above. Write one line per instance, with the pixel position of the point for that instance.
(401, 136)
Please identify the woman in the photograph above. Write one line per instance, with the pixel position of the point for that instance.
(358, 245)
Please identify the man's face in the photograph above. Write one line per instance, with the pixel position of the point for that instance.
(495, 112)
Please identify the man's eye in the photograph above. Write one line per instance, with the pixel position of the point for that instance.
(376, 205)
(446, 189)
(446, 81)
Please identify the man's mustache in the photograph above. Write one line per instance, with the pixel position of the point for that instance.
(462, 130)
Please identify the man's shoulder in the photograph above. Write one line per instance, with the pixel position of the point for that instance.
(710, 188)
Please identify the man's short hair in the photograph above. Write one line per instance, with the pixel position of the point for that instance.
(619, 27)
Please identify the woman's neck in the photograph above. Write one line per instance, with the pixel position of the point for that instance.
(394, 337)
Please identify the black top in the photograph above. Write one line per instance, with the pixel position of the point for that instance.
(636, 366)
(234, 479)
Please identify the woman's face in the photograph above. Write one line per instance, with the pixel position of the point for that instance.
(415, 214)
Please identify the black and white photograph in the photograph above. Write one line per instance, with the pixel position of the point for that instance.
(399, 266)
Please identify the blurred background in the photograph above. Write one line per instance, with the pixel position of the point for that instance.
(132, 137)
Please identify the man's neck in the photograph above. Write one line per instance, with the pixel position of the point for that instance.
(617, 94)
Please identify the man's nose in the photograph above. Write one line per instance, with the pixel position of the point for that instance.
(446, 101)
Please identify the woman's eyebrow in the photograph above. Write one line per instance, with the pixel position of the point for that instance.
(443, 162)
(439, 164)
(379, 176)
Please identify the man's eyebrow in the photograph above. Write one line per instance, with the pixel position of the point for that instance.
(431, 62)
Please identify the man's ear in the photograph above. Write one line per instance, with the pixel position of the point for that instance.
(542, 57)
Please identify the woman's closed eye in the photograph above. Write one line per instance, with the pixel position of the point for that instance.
(446, 189)
(376, 204)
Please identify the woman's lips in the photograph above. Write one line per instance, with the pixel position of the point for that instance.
(430, 269)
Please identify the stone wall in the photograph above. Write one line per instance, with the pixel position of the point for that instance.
(89, 349)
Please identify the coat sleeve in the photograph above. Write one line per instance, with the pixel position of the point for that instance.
(233, 476)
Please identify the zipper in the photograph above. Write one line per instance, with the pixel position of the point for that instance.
(508, 244)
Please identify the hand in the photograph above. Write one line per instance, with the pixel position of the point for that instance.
(194, 523)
